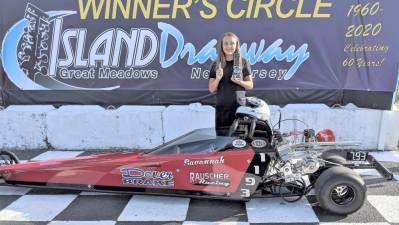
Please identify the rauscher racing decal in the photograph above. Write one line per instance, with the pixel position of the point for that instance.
(211, 179)
(143, 177)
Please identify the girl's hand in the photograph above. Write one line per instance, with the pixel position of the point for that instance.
(219, 73)
(236, 81)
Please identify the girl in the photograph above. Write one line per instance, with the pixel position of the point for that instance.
(230, 73)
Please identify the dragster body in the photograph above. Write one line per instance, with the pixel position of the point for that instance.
(134, 171)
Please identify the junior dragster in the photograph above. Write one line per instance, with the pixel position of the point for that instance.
(253, 161)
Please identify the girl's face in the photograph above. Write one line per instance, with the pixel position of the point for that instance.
(229, 45)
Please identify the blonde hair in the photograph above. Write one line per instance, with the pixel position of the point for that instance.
(221, 60)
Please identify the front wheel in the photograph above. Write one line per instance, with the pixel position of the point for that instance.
(8, 158)
(340, 190)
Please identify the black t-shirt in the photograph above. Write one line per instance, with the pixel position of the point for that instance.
(226, 96)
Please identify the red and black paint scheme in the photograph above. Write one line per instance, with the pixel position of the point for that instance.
(214, 167)
(240, 166)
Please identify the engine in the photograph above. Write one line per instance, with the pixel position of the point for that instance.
(294, 164)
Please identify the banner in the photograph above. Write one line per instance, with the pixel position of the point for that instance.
(160, 52)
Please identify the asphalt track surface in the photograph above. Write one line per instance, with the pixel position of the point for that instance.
(22, 206)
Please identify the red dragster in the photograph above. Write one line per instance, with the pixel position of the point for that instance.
(253, 161)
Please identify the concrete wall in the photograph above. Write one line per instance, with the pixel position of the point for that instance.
(389, 130)
(24, 127)
(178, 120)
(348, 124)
(93, 127)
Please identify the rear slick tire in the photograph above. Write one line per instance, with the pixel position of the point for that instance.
(334, 158)
(340, 190)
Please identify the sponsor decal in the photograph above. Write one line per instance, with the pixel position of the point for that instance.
(259, 143)
(210, 179)
(137, 176)
(239, 143)
(189, 162)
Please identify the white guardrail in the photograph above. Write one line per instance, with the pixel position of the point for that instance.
(144, 127)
